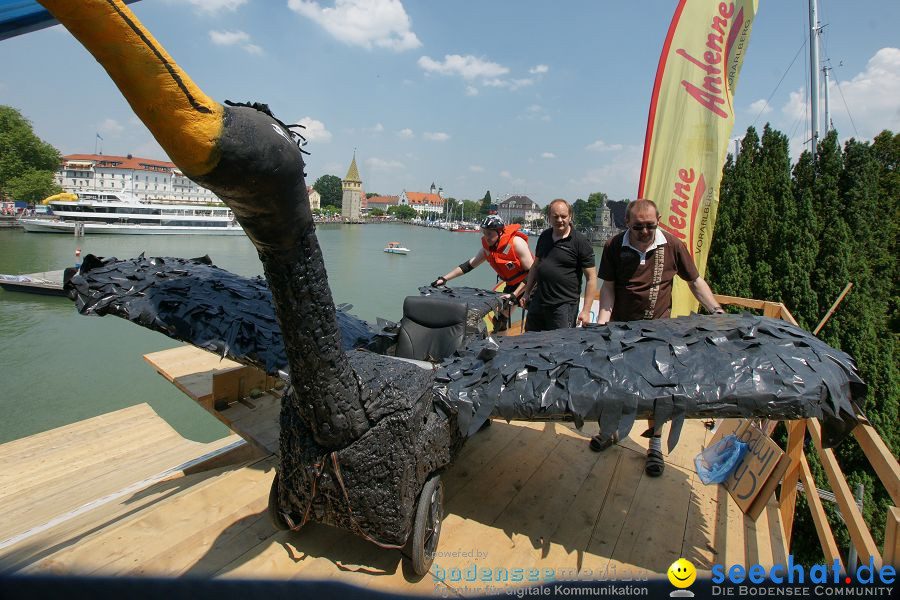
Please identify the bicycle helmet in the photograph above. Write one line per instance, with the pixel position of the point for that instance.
(493, 222)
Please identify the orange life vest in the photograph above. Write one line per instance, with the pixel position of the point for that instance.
(503, 257)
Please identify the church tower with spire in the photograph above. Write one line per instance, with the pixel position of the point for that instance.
(351, 201)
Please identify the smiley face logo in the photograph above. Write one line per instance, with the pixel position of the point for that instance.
(682, 573)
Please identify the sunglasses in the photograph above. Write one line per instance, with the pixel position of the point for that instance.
(647, 226)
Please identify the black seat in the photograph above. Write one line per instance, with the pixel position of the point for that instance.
(431, 328)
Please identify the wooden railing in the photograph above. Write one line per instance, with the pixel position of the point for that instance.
(883, 463)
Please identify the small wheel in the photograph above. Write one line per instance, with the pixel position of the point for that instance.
(275, 515)
(427, 525)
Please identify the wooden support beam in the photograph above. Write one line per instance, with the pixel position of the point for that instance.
(892, 538)
(856, 525)
(826, 537)
(738, 301)
(883, 461)
(788, 500)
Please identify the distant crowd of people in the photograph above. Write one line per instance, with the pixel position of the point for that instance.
(635, 279)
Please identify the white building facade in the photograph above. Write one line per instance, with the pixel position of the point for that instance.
(131, 178)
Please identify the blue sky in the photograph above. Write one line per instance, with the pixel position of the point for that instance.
(516, 97)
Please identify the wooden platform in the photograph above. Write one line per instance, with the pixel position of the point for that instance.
(519, 496)
(46, 283)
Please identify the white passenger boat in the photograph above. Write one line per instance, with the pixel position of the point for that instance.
(112, 214)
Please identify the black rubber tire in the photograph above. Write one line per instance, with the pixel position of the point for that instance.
(427, 525)
(275, 515)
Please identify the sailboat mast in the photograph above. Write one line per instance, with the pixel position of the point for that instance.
(814, 75)
(825, 94)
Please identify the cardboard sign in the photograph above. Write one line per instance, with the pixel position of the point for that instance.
(754, 480)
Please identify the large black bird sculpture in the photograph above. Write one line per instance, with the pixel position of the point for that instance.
(362, 433)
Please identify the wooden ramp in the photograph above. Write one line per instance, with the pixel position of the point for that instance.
(519, 496)
(52, 483)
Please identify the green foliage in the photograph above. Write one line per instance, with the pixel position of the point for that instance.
(371, 194)
(472, 209)
(799, 236)
(32, 186)
(403, 212)
(584, 211)
(27, 163)
(376, 212)
(329, 188)
(485, 204)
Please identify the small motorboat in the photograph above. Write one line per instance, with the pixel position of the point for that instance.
(396, 248)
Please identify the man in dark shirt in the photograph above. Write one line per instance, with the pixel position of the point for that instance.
(638, 268)
(562, 256)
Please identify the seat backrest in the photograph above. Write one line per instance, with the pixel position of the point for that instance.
(431, 328)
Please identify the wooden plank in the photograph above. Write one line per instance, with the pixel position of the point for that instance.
(892, 538)
(738, 301)
(136, 545)
(778, 548)
(505, 477)
(616, 502)
(656, 543)
(69, 436)
(544, 501)
(788, 500)
(729, 538)
(758, 545)
(881, 458)
(479, 451)
(823, 528)
(856, 525)
(68, 523)
(700, 526)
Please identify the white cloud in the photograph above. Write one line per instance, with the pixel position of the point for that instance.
(871, 97)
(314, 130)
(110, 127)
(228, 38)
(467, 67)
(512, 84)
(471, 90)
(365, 23)
(436, 136)
(406, 133)
(215, 6)
(505, 174)
(548, 155)
(378, 164)
(601, 146)
(376, 128)
(538, 69)
(760, 107)
(476, 168)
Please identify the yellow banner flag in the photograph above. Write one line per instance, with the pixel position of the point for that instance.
(690, 122)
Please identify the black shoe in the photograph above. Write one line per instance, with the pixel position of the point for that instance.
(600, 442)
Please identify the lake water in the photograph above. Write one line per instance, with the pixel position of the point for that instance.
(58, 367)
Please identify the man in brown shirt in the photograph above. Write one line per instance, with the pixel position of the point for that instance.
(638, 268)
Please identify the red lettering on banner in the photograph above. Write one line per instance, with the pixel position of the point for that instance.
(710, 95)
(678, 205)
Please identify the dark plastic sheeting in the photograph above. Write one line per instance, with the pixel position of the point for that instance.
(690, 367)
(193, 301)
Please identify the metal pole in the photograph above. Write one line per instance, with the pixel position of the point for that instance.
(814, 76)
(827, 111)
(851, 556)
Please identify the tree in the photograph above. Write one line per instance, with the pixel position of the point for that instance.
(371, 194)
(485, 204)
(376, 212)
(471, 209)
(32, 186)
(23, 153)
(329, 188)
(403, 212)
